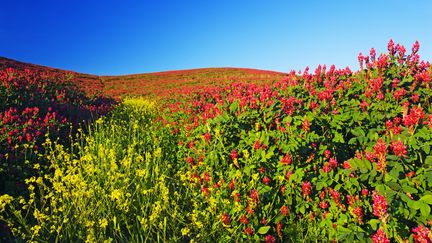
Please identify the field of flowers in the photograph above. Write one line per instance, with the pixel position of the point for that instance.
(328, 155)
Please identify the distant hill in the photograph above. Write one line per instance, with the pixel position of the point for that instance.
(158, 83)
(87, 82)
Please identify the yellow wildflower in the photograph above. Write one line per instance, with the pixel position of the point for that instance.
(4, 200)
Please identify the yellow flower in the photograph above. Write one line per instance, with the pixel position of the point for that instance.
(140, 173)
(158, 153)
(116, 194)
(35, 229)
(103, 223)
(185, 231)
(4, 200)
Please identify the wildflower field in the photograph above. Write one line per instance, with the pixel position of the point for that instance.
(323, 155)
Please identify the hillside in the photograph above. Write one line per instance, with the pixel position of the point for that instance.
(87, 82)
(158, 83)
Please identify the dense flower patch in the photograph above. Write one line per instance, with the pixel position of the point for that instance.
(348, 151)
(183, 82)
(329, 155)
(33, 105)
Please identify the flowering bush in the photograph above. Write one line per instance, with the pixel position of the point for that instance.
(349, 152)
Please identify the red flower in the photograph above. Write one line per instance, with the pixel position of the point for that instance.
(306, 188)
(323, 204)
(326, 168)
(382, 61)
(284, 210)
(205, 190)
(254, 195)
(231, 185)
(234, 155)
(372, 54)
(257, 145)
(415, 98)
(206, 177)
(380, 237)
(190, 160)
(380, 148)
(335, 195)
(266, 180)
(249, 231)
(191, 144)
(270, 239)
(389, 125)
(422, 234)
(415, 47)
(244, 220)
(401, 50)
(358, 212)
(225, 219)
(363, 105)
(333, 162)
(379, 205)
(28, 137)
(360, 59)
(249, 210)
(327, 154)
(399, 148)
(207, 137)
(287, 159)
(288, 174)
(305, 125)
(416, 113)
(390, 47)
(346, 165)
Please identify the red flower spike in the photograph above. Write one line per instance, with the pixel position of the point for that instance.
(399, 149)
(380, 237)
(225, 219)
(284, 210)
(379, 205)
(306, 188)
(270, 239)
(421, 234)
(248, 231)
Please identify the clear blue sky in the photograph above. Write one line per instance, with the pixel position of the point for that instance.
(123, 37)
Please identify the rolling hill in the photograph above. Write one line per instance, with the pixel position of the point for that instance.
(157, 83)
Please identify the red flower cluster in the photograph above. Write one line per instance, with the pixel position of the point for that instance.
(379, 205)
(380, 237)
(399, 148)
(421, 234)
(306, 188)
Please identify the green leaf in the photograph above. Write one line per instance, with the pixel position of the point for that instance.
(234, 106)
(263, 230)
(358, 132)
(427, 199)
(394, 185)
(338, 138)
(416, 205)
(429, 160)
(374, 223)
(409, 189)
(426, 149)
(425, 210)
(352, 141)
(264, 189)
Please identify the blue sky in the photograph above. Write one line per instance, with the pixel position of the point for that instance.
(124, 37)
